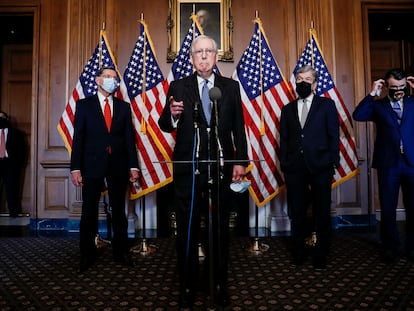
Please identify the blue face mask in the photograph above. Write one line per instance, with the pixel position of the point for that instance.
(109, 85)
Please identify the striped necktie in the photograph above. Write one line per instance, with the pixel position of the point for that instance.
(397, 109)
(205, 99)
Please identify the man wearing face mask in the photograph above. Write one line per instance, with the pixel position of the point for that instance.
(309, 146)
(103, 149)
(393, 156)
(13, 151)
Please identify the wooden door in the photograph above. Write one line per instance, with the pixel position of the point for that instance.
(16, 100)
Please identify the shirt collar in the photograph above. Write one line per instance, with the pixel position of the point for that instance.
(201, 80)
(102, 98)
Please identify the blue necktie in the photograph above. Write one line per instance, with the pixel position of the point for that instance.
(398, 111)
(205, 99)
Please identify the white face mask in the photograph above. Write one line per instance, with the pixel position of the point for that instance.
(109, 85)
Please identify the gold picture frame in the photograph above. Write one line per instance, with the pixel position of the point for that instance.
(215, 18)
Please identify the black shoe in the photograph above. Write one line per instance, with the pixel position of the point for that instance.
(85, 263)
(390, 257)
(222, 298)
(319, 263)
(124, 258)
(186, 299)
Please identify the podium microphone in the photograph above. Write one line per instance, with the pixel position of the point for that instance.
(214, 94)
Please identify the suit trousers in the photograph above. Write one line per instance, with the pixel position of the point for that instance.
(192, 229)
(390, 180)
(92, 191)
(11, 179)
(305, 189)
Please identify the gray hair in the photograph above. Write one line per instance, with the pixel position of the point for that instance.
(200, 37)
(307, 68)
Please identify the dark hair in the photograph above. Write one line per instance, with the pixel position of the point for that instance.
(396, 73)
(101, 70)
(5, 115)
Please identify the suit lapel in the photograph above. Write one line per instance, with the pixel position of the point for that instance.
(99, 112)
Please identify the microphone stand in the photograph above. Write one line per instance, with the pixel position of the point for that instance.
(210, 221)
(197, 129)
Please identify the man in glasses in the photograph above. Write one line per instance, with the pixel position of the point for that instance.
(393, 156)
(202, 187)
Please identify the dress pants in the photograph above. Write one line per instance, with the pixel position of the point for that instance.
(91, 191)
(12, 182)
(390, 180)
(305, 189)
(189, 237)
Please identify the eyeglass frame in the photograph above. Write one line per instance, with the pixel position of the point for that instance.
(208, 52)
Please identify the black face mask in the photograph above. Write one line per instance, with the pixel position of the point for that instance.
(396, 95)
(4, 123)
(303, 89)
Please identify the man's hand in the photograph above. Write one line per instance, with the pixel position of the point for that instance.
(77, 178)
(377, 87)
(410, 80)
(176, 108)
(238, 173)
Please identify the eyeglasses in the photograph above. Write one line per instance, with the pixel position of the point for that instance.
(200, 52)
(396, 87)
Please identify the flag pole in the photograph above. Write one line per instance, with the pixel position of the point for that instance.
(144, 79)
(144, 248)
(311, 31)
(257, 247)
(100, 44)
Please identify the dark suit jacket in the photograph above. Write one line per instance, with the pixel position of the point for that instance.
(317, 142)
(91, 140)
(16, 149)
(388, 131)
(230, 126)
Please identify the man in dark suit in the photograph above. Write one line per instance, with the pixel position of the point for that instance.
(103, 148)
(13, 154)
(309, 146)
(393, 156)
(184, 114)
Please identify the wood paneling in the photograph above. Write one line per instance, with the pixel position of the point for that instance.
(68, 31)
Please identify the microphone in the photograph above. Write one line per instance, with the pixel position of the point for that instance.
(215, 95)
(196, 114)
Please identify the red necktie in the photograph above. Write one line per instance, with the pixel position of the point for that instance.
(3, 144)
(107, 115)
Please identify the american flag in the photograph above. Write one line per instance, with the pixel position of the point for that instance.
(182, 66)
(85, 87)
(144, 86)
(264, 92)
(312, 55)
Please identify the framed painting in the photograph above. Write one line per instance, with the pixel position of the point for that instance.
(214, 17)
